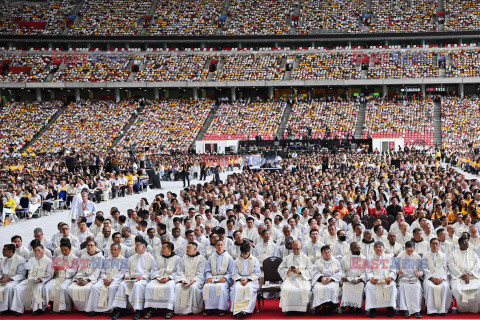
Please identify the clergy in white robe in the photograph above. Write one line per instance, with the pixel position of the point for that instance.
(381, 289)
(20, 249)
(246, 274)
(65, 233)
(160, 291)
(410, 271)
(327, 274)
(104, 240)
(436, 288)
(87, 275)
(265, 248)
(190, 279)
(392, 246)
(218, 272)
(367, 244)
(131, 292)
(285, 249)
(421, 246)
(295, 270)
(65, 268)
(28, 294)
(464, 267)
(354, 278)
(340, 247)
(12, 268)
(446, 247)
(312, 247)
(234, 250)
(111, 277)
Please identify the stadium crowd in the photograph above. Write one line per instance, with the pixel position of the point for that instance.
(325, 119)
(168, 125)
(349, 229)
(251, 67)
(326, 65)
(460, 121)
(462, 15)
(24, 67)
(464, 63)
(402, 64)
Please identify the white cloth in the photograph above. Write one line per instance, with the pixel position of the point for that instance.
(217, 295)
(189, 299)
(380, 295)
(296, 288)
(162, 295)
(354, 270)
(461, 262)
(410, 293)
(437, 297)
(14, 268)
(329, 292)
(244, 297)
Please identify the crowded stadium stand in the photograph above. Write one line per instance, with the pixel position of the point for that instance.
(250, 67)
(460, 121)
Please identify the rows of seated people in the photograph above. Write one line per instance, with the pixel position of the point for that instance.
(185, 67)
(317, 16)
(89, 125)
(24, 67)
(326, 65)
(40, 17)
(111, 17)
(462, 15)
(258, 17)
(335, 118)
(168, 125)
(464, 63)
(247, 67)
(402, 64)
(460, 121)
(409, 119)
(20, 121)
(194, 17)
(363, 235)
(246, 119)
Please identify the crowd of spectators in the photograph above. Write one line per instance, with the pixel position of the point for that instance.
(411, 119)
(251, 67)
(23, 67)
(462, 15)
(168, 124)
(460, 121)
(39, 17)
(94, 68)
(86, 125)
(182, 67)
(246, 119)
(402, 64)
(326, 66)
(404, 16)
(192, 17)
(339, 15)
(111, 17)
(324, 118)
(20, 121)
(259, 17)
(464, 63)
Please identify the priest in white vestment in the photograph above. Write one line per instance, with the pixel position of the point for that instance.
(218, 272)
(65, 268)
(367, 244)
(12, 269)
(464, 267)
(392, 246)
(87, 275)
(327, 274)
(160, 291)
(103, 292)
(28, 294)
(354, 278)
(312, 247)
(190, 279)
(265, 248)
(410, 271)
(295, 270)
(131, 293)
(436, 288)
(381, 289)
(245, 275)
(340, 247)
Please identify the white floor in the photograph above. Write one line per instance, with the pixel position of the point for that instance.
(49, 223)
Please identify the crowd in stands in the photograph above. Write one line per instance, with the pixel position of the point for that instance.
(259, 17)
(462, 15)
(86, 125)
(169, 124)
(326, 65)
(404, 16)
(325, 118)
(411, 119)
(192, 17)
(40, 17)
(461, 120)
(464, 63)
(111, 17)
(31, 67)
(251, 67)
(20, 121)
(402, 64)
(338, 15)
(94, 68)
(245, 120)
(182, 67)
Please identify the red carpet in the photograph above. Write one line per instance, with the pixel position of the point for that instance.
(269, 311)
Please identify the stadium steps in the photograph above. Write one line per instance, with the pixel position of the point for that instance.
(75, 12)
(132, 75)
(129, 124)
(360, 121)
(219, 68)
(44, 128)
(150, 12)
(226, 6)
(368, 6)
(206, 124)
(283, 124)
(437, 123)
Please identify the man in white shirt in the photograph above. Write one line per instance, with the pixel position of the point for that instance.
(12, 271)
